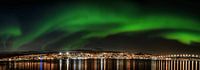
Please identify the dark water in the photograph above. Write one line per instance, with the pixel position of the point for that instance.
(102, 64)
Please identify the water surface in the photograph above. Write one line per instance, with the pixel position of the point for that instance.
(101, 64)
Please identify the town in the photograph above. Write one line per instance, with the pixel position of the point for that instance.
(99, 55)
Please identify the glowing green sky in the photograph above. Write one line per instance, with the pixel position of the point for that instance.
(10, 31)
(184, 37)
(101, 21)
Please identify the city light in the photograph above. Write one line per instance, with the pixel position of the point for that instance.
(100, 55)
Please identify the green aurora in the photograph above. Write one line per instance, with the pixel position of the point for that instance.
(99, 21)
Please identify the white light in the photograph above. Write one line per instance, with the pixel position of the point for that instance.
(60, 53)
(174, 55)
(67, 53)
(192, 55)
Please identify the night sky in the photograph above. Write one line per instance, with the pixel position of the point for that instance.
(135, 26)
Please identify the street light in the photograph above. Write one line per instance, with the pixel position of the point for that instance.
(67, 53)
(60, 53)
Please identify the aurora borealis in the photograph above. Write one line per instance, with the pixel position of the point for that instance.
(74, 25)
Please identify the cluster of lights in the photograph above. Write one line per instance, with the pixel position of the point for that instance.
(180, 55)
(60, 53)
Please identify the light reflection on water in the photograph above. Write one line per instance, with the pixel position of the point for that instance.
(102, 64)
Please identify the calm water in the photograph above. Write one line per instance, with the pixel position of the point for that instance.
(101, 64)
